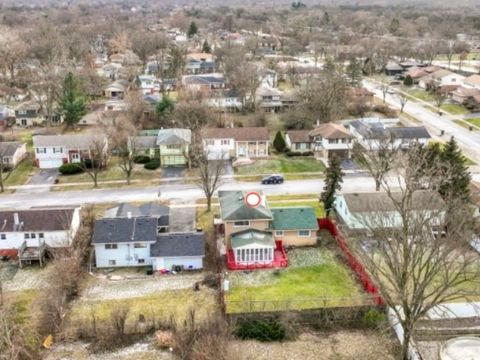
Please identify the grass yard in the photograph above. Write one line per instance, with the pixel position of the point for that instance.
(21, 173)
(314, 279)
(420, 94)
(474, 121)
(161, 306)
(282, 165)
(113, 172)
(285, 85)
(455, 109)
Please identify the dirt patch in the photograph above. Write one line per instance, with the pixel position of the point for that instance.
(344, 345)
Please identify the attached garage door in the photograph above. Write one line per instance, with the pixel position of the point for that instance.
(173, 160)
(50, 164)
(340, 154)
(218, 155)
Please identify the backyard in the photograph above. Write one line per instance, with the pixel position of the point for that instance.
(313, 279)
(474, 121)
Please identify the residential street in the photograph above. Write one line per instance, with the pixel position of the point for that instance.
(188, 193)
(468, 141)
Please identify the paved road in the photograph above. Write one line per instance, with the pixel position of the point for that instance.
(468, 141)
(180, 193)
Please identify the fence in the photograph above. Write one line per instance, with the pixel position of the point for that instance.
(353, 263)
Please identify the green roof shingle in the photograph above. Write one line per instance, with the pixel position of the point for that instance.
(252, 236)
(233, 207)
(294, 218)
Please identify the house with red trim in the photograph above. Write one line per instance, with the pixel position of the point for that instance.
(255, 235)
(52, 151)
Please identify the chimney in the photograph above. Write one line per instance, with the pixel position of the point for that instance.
(318, 122)
(129, 215)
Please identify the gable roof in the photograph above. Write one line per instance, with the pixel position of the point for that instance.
(9, 148)
(473, 79)
(124, 230)
(294, 218)
(299, 136)
(149, 209)
(37, 220)
(174, 136)
(179, 244)
(252, 236)
(238, 134)
(379, 201)
(331, 131)
(78, 141)
(409, 132)
(233, 207)
(143, 142)
(154, 209)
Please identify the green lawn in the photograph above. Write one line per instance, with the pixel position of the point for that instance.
(474, 121)
(284, 85)
(455, 109)
(21, 173)
(283, 165)
(421, 94)
(314, 278)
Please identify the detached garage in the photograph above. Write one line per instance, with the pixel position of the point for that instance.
(186, 250)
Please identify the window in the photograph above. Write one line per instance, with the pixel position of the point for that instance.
(26, 236)
(278, 232)
(57, 150)
(3, 236)
(41, 236)
(174, 146)
(241, 223)
(111, 246)
(33, 236)
(112, 262)
(304, 233)
(210, 142)
(41, 150)
(139, 245)
(226, 142)
(141, 261)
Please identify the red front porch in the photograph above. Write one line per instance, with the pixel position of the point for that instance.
(279, 260)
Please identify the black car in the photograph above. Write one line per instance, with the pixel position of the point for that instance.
(272, 179)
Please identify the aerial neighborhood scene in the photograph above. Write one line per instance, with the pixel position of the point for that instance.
(232, 180)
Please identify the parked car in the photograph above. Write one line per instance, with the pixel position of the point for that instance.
(272, 179)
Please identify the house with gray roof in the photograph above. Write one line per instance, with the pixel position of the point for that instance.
(365, 211)
(150, 210)
(12, 153)
(186, 250)
(52, 151)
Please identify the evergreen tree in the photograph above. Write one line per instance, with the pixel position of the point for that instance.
(354, 72)
(279, 142)
(408, 81)
(333, 181)
(394, 25)
(72, 101)
(192, 29)
(206, 47)
(456, 178)
(164, 107)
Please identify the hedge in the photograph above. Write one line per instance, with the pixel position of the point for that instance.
(141, 159)
(70, 169)
(152, 164)
(261, 330)
(298, 153)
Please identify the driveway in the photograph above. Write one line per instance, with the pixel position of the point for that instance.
(173, 172)
(349, 164)
(42, 177)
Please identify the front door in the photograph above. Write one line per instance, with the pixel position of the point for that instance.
(75, 157)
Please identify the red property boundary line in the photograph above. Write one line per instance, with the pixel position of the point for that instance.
(355, 265)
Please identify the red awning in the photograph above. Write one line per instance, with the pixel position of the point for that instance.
(10, 253)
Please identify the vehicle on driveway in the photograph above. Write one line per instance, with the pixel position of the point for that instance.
(272, 179)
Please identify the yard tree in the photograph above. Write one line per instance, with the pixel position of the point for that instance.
(210, 175)
(72, 101)
(96, 161)
(403, 101)
(384, 87)
(279, 142)
(164, 108)
(415, 269)
(206, 47)
(192, 29)
(333, 181)
(439, 96)
(354, 72)
(122, 137)
(454, 173)
(408, 81)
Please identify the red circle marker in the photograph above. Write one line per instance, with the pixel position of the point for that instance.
(253, 199)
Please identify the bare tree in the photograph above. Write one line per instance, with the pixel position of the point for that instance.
(439, 97)
(378, 158)
(210, 175)
(384, 87)
(422, 257)
(96, 159)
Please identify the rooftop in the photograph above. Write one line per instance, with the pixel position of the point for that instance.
(36, 220)
(78, 141)
(9, 148)
(252, 236)
(179, 244)
(233, 207)
(294, 218)
(239, 134)
(125, 230)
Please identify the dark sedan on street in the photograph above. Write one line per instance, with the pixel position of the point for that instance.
(272, 179)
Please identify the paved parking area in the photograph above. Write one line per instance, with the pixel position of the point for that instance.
(349, 164)
(182, 219)
(41, 177)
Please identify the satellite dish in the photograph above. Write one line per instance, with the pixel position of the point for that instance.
(253, 199)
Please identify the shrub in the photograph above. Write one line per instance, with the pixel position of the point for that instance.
(408, 81)
(152, 164)
(291, 153)
(261, 330)
(373, 318)
(141, 159)
(70, 169)
(385, 110)
(279, 142)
